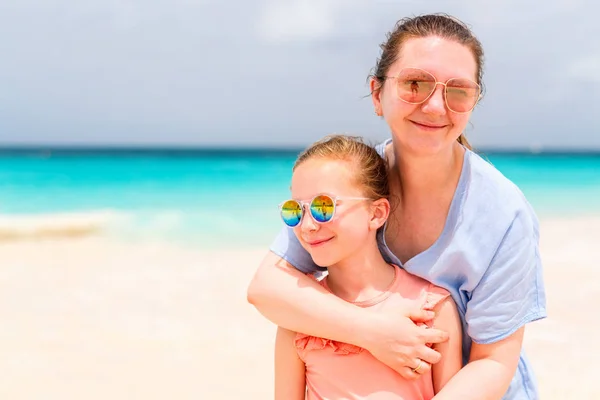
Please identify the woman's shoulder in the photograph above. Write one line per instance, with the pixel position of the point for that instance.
(491, 195)
(381, 146)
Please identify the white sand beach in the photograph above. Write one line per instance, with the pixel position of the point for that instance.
(92, 318)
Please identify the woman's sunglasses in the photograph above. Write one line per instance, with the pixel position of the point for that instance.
(415, 86)
(321, 207)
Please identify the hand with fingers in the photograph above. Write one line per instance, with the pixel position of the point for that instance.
(397, 341)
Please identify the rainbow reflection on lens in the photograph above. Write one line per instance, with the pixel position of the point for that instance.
(291, 212)
(322, 208)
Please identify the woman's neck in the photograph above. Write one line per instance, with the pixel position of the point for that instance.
(362, 276)
(427, 174)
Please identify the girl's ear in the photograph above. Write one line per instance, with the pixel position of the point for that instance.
(380, 213)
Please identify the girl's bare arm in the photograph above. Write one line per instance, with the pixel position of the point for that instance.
(290, 371)
(447, 319)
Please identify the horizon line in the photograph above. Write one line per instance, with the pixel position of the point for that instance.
(73, 149)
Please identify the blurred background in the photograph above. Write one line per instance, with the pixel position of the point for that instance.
(144, 147)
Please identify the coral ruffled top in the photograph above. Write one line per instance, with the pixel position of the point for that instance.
(336, 370)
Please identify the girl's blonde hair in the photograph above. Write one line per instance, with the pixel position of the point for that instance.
(371, 168)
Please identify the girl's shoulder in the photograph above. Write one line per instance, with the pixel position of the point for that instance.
(416, 288)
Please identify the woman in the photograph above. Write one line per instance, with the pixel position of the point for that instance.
(456, 222)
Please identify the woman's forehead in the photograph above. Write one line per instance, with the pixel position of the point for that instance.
(444, 58)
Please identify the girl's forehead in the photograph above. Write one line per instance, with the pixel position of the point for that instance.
(336, 177)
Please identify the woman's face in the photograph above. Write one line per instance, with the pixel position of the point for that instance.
(430, 127)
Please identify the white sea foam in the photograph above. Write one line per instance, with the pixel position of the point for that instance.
(57, 225)
(200, 227)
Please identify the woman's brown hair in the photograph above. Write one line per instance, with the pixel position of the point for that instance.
(441, 25)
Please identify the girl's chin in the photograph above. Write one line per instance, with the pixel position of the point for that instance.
(324, 259)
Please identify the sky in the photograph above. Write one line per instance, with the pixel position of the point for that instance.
(278, 73)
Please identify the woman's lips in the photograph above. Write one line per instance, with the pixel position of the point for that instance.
(428, 126)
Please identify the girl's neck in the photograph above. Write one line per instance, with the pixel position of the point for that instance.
(419, 174)
(362, 276)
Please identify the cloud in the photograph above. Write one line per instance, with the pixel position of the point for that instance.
(274, 71)
(294, 20)
(586, 68)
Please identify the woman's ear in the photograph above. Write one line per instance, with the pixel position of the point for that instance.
(375, 87)
(380, 213)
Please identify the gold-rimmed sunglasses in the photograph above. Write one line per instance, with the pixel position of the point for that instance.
(415, 86)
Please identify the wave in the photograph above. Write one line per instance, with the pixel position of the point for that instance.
(203, 226)
(57, 225)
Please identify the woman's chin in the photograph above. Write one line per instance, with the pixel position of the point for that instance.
(425, 144)
(426, 147)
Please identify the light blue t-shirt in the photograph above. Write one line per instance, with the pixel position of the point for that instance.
(487, 257)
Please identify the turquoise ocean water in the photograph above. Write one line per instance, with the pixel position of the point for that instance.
(216, 198)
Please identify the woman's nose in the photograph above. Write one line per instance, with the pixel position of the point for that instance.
(436, 104)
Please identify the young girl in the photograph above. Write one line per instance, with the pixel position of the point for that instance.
(339, 201)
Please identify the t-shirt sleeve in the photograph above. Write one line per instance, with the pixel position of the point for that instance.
(511, 292)
(287, 246)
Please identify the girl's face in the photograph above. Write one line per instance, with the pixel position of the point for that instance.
(430, 127)
(354, 223)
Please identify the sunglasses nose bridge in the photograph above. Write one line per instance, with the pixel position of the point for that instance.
(431, 96)
(307, 222)
(434, 89)
(305, 206)
(435, 86)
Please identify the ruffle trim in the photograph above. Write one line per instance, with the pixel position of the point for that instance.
(305, 343)
(435, 295)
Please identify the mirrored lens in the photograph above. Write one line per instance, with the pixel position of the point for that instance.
(322, 208)
(461, 95)
(414, 85)
(291, 213)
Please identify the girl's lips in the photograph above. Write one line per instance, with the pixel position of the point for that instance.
(315, 243)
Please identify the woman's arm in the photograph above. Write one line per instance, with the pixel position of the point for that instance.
(448, 320)
(489, 372)
(290, 371)
(509, 295)
(296, 302)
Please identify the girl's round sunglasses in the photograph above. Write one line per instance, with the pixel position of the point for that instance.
(321, 207)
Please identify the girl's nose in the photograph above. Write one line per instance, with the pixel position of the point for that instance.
(308, 223)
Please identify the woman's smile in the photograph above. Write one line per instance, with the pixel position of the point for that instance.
(428, 126)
